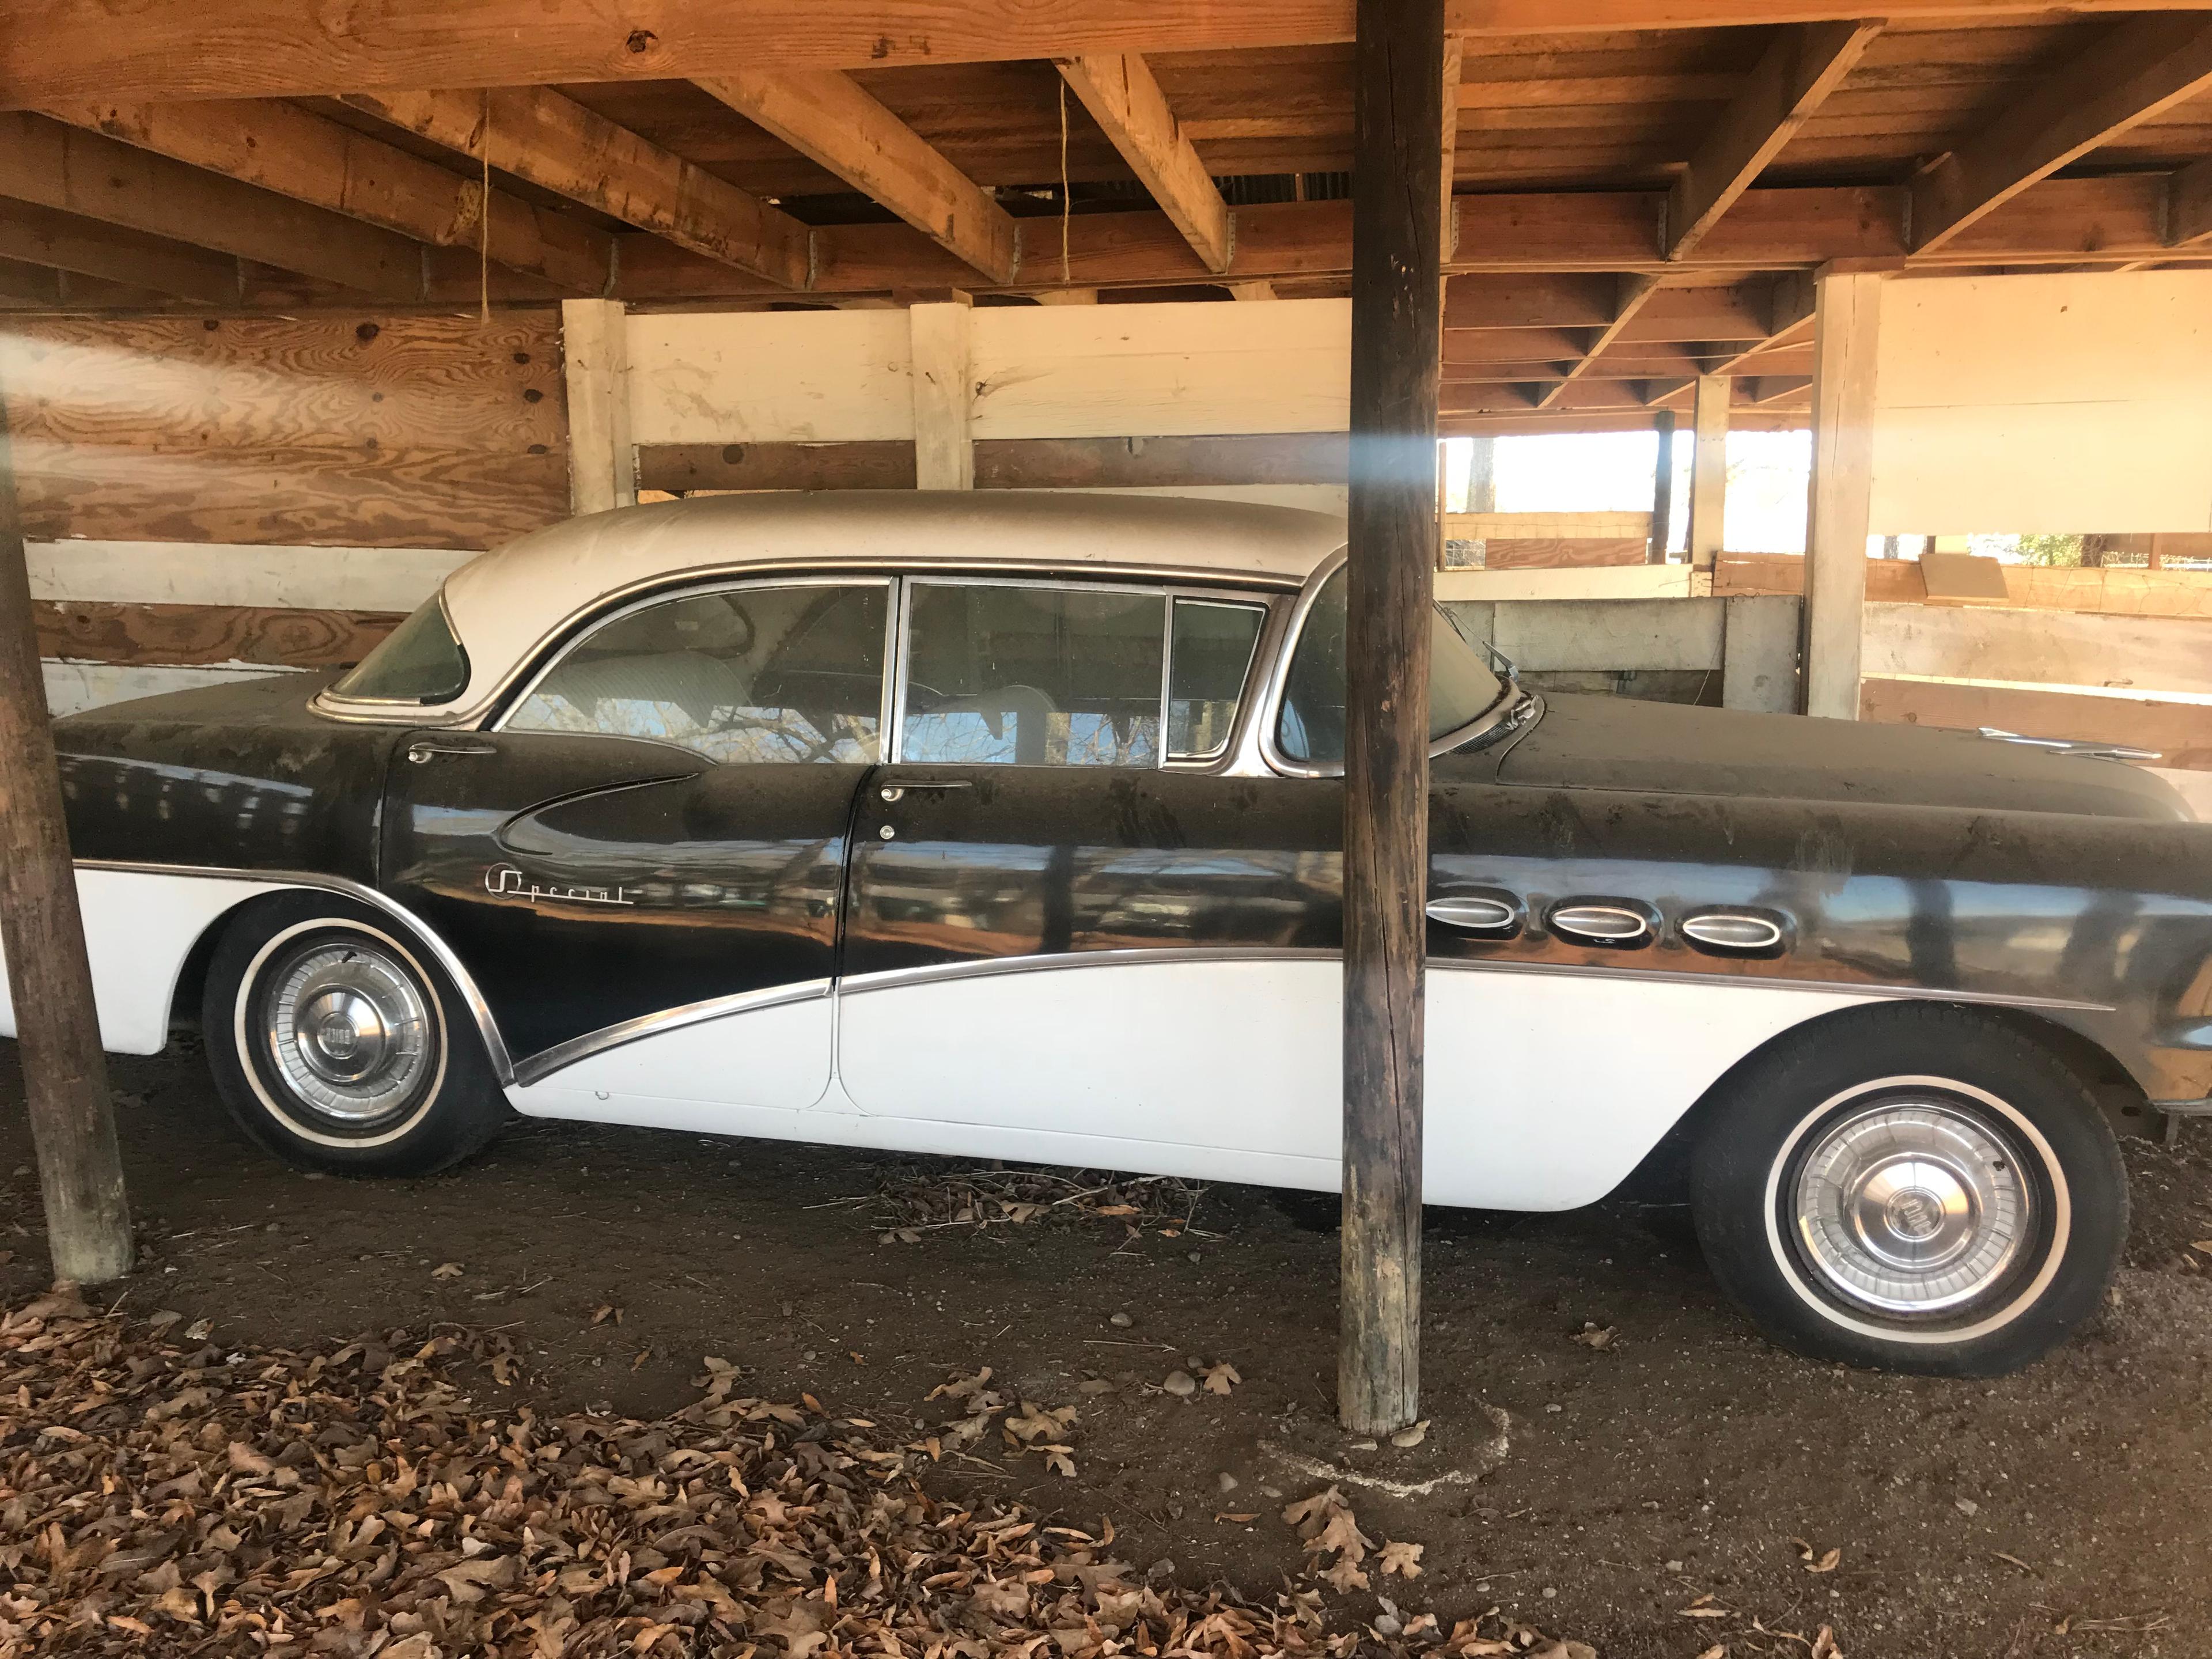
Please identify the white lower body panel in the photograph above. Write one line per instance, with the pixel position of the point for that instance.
(139, 925)
(1544, 1090)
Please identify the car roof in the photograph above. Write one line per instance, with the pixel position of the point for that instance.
(505, 604)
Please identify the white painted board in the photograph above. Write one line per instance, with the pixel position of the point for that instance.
(2044, 403)
(770, 377)
(221, 572)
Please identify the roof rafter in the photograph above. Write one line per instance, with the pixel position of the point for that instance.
(559, 145)
(283, 149)
(1634, 291)
(86, 247)
(1792, 79)
(2189, 206)
(160, 49)
(2138, 69)
(828, 119)
(55, 165)
(1125, 99)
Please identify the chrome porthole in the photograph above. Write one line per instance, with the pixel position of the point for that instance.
(347, 1030)
(1912, 1207)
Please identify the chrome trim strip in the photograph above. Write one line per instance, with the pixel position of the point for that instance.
(502, 1064)
(547, 1061)
(2184, 1108)
(894, 978)
(1512, 699)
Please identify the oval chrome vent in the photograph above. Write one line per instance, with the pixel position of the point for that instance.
(1734, 931)
(1476, 914)
(1602, 924)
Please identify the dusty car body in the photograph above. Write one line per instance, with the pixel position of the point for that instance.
(893, 848)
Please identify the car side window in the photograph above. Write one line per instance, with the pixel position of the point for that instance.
(1210, 657)
(791, 672)
(1032, 676)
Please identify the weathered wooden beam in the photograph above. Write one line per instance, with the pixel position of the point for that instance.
(826, 117)
(55, 165)
(595, 370)
(44, 287)
(944, 395)
(2136, 71)
(86, 247)
(1126, 101)
(2189, 210)
(1844, 337)
(1634, 291)
(1793, 78)
(280, 148)
(1259, 290)
(559, 145)
(1294, 458)
(181, 49)
(1391, 532)
(42, 933)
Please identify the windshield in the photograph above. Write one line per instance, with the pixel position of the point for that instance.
(1311, 728)
(419, 661)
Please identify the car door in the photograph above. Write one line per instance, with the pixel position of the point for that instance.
(1067, 934)
(640, 863)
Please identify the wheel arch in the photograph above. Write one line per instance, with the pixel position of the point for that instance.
(1663, 1175)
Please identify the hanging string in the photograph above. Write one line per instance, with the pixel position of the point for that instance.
(483, 221)
(1064, 198)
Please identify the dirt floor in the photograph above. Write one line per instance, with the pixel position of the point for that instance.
(1614, 1487)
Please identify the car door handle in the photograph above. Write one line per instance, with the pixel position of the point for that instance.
(894, 791)
(426, 748)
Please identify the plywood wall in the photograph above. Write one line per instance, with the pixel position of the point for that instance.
(212, 497)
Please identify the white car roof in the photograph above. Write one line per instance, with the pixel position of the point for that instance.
(506, 603)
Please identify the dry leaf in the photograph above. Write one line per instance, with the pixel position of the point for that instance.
(1220, 1378)
(1412, 1435)
(1826, 1563)
(1718, 1650)
(1594, 1335)
(1402, 1559)
(446, 1270)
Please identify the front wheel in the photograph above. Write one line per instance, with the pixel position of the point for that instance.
(1915, 1189)
(338, 1044)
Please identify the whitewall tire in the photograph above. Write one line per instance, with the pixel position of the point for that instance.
(339, 1044)
(1914, 1188)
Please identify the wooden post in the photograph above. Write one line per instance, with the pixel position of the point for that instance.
(1397, 198)
(1482, 475)
(944, 447)
(595, 364)
(42, 933)
(1846, 328)
(1662, 489)
(1709, 472)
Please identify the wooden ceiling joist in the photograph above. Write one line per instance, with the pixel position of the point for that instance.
(2137, 70)
(280, 148)
(1634, 292)
(86, 247)
(560, 146)
(1124, 98)
(54, 166)
(64, 51)
(2189, 210)
(1799, 70)
(828, 117)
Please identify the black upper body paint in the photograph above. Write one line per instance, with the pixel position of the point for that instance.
(585, 881)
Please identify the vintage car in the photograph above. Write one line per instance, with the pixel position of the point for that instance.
(1007, 825)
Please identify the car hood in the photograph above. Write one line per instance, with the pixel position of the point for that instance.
(1585, 742)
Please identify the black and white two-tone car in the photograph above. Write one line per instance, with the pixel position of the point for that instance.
(1008, 825)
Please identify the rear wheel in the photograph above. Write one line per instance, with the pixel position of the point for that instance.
(1917, 1188)
(338, 1044)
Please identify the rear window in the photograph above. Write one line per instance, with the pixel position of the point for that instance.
(419, 661)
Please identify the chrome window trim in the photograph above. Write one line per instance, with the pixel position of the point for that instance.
(1502, 710)
(330, 695)
(1169, 760)
(547, 1062)
(496, 695)
(495, 1050)
(636, 607)
(1248, 596)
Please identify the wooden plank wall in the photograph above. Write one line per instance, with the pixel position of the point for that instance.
(216, 495)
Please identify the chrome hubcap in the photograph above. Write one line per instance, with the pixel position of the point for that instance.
(349, 1030)
(1914, 1206)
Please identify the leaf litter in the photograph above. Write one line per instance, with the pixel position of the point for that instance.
(361, 1500)
(905, 1207)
